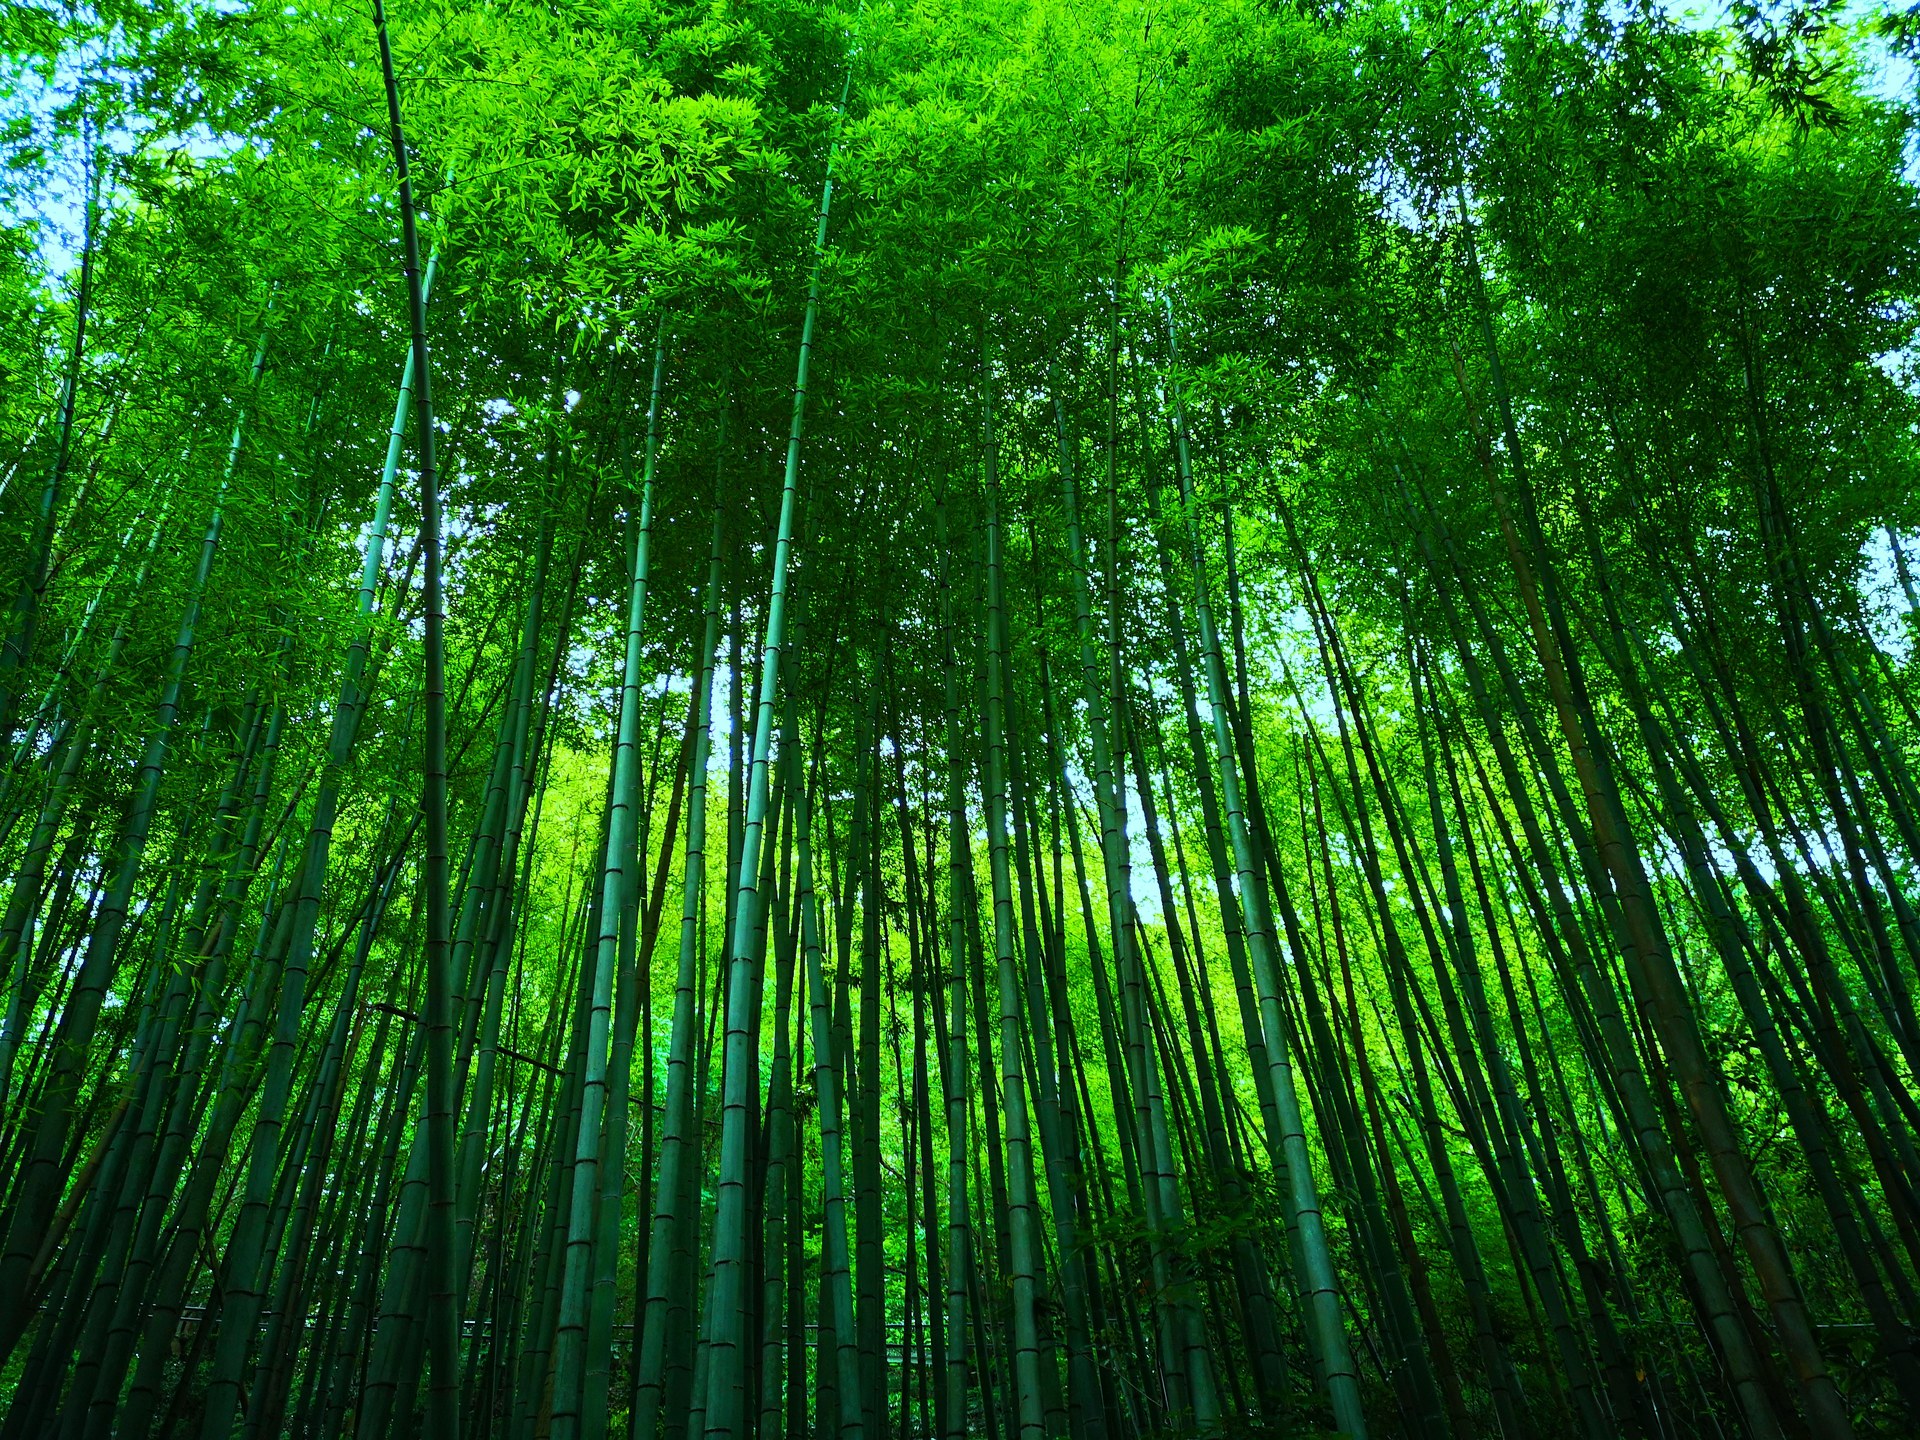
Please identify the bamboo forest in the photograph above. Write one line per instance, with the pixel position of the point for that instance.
(1027, 719)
